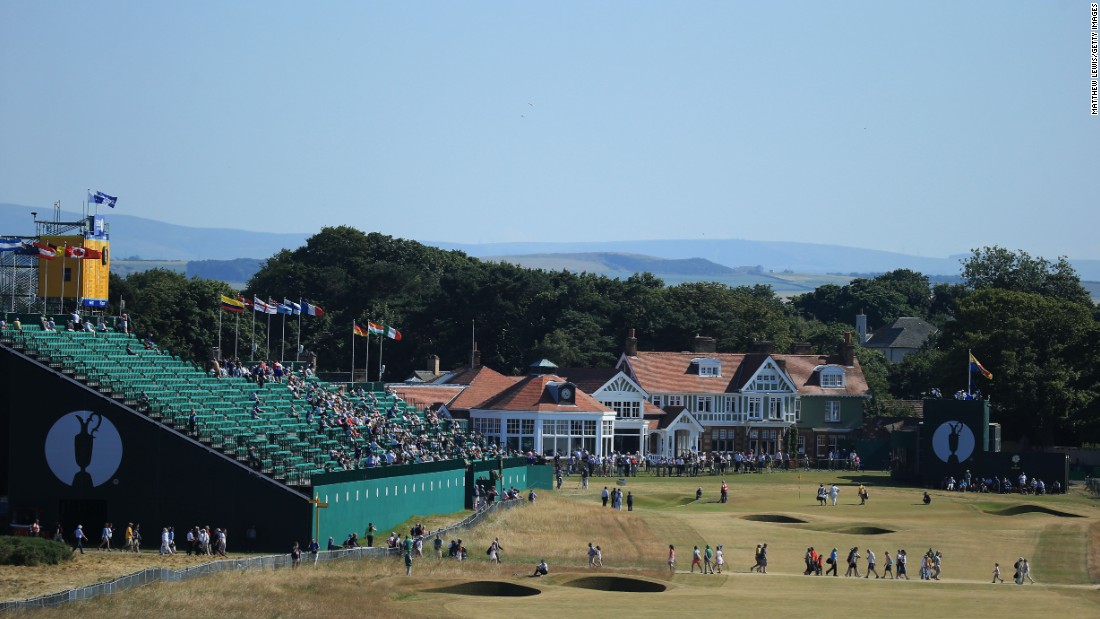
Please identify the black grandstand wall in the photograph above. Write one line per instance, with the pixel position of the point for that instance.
(75, 456)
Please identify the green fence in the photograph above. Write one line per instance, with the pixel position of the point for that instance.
(391, 495)
(386, 496)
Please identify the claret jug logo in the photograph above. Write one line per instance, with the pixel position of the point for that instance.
(953, 442)
(83, 449)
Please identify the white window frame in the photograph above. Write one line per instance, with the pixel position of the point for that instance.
(832, 378)
(832, 411)
(754, 408)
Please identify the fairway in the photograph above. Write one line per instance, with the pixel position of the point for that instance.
(1057, 534)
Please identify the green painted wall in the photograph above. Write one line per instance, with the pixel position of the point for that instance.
(387, 497)
(391, 495)
(813, 413)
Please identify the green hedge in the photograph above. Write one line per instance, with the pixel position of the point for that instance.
(32, 551)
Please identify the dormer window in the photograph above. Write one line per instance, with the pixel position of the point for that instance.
(708, 366)
(832, 377)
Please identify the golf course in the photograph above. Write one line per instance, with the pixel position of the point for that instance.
(1058, 534)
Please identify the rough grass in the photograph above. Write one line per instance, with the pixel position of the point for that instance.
(32, 551)
(558, 528)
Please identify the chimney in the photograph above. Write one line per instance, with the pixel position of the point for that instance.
(631, 346)
(433, 364)
(475, 357)
(802, 348)
(847, 351)
(763, 347)
(705, 344)
(861, 327)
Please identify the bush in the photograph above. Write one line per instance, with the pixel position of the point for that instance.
(32, 551)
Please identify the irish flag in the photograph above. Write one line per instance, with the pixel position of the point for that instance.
(393, 334)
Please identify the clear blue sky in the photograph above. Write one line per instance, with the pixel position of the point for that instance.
(926, 128)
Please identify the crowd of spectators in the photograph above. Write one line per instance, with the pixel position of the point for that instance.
(376, 431)
(1001, 484)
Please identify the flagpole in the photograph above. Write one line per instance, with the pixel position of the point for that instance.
(236, 334)
(219, 328)
(366, 362)
(64, 258)
(282, 344)
(352, 378)
(969, 371)
(252, 355)
(269, 332)
(381, 337)
(298, 343)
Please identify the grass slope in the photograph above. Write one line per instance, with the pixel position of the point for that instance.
(559, 527)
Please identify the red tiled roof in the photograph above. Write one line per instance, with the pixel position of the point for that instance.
(428, 395)
(484, 383)
(588, 380)
(530, 394)
(673, 372)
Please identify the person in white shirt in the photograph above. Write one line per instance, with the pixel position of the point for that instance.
(871, 564)
(165, 549)
(833, 492)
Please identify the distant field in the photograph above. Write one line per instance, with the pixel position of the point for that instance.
(1059, 534)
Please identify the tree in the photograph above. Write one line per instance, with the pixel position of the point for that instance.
(181, 314)
(1038, 348)
(997, 267)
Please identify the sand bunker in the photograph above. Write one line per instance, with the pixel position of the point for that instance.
(489, 588)
(617, 583)
(865, 530)
(1016, 510)
(774, 518)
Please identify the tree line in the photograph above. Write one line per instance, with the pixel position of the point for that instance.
(1027, 319)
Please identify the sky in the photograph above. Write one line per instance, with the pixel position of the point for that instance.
(925, 128)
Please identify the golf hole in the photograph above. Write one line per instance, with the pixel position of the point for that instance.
(774, 518)
(617, 583)
(1017, 510)
(489, 588)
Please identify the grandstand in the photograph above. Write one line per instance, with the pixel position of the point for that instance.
(245, 460)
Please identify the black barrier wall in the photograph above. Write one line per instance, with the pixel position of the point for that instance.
(75, 456)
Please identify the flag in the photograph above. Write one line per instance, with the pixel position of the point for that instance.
(312, 310)
(357, 330)
(46, 251)
(82, 253)
(976, 366)
(9, 244)
(393, 334)
(258, 305)
(245, 302)
(373, 328)
(272, 307)
(230, 304)
(101, 198)
(284, 309)
(28, 249)
(294, 307)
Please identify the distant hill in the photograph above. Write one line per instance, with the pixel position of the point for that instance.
(147, 239)
(137, 237)
(616, 265)
(770, 255)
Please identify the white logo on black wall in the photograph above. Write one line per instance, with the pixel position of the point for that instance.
(83, 449)
(953, 442)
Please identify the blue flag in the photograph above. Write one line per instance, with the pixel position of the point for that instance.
(10, 244)
(101, 198)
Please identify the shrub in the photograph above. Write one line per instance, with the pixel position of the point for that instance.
(32, 551)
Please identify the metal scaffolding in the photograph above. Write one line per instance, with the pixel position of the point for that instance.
(19, 272)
